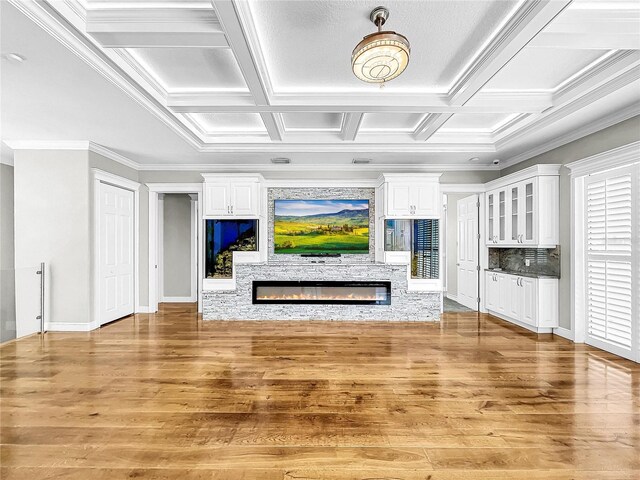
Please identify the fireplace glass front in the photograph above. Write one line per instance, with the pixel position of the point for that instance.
(322, 292)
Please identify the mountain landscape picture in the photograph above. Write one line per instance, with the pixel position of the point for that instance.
(321, 227)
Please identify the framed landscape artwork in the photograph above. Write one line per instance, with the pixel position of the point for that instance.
(317, 227)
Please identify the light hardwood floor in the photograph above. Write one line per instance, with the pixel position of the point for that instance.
(168, 396)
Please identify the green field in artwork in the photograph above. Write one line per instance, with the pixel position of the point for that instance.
(297, 230)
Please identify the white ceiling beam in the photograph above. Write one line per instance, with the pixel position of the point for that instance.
(529, 20)
(593, 41)
(534, 123)
(609, 28)
(155, 27)
(231, 23)
(274, 125)
(350, 126)
(483, 102)
(609, 68)
(430, 125)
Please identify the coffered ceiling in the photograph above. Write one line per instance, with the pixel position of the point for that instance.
(487, 78)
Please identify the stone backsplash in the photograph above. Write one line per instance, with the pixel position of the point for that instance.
(542, 261)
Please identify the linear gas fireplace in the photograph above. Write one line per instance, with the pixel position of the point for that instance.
(322, 292)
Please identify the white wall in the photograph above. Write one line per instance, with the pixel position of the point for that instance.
(607, 139)
(7, 276)
(176, 251)
(52, 225)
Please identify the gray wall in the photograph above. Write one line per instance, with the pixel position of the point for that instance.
(52, 212)
(7, 276)
(452, 241)
(177, 245)
(607, 139)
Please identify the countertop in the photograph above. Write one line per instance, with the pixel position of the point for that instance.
(521, 274)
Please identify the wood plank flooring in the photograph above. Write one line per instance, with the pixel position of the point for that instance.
(168, 396)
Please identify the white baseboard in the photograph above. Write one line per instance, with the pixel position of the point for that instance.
(143, 309)
(178, 300)
(564, 333)
(70, 327)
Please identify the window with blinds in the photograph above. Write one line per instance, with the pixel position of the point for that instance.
(425, 261)
(610, 254)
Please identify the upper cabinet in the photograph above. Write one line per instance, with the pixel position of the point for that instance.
(232, 196)
(411, 196)
(523, 209)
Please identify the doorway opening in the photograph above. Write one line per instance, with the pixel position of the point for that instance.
(177, 248)
(462, 257)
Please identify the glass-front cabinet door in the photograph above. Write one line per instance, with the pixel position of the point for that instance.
(514, 199)
(492, 218)
(527, 225)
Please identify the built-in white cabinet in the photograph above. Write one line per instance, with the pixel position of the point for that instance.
(528, 302)
(523, 209)
(411, 196)
(235, 196)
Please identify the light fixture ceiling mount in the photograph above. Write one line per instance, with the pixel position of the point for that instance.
(381, 56)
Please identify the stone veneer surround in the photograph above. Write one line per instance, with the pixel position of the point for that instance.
(405, 305)
(328, 193)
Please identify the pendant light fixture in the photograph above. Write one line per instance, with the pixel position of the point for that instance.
(381, 56)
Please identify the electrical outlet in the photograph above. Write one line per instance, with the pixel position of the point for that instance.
(527, 262)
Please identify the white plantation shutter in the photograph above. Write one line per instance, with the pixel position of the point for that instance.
(611, 252)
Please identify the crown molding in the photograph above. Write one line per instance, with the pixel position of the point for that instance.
(575, 134)
(259, 168)
(543, 169)
(47, 17)
(618, 157)
(72, 145)
(110, 154)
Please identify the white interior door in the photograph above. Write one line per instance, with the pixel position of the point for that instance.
(116, 270)
(467, 252)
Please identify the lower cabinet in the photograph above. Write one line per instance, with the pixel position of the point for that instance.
(528, 302)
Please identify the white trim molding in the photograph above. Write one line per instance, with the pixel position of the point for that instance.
(178, 300)
(564, 333)
(71, 327)
(155, 191)
(619, 157)
(100, 176)
(600, 162)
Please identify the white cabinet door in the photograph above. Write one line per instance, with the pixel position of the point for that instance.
(398, 199)
(491, 292)
(529, 300)
(503, 293)
(514, 297)
(425, 200)
(217, 198)
(244, 199)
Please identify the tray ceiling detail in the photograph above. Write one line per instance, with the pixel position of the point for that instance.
(275, 76)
